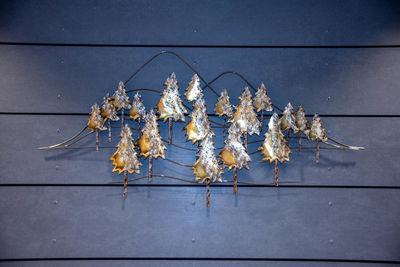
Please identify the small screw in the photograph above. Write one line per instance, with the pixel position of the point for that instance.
(59, 96)
(330, 203)
(329, 168)
(193, 240)
(55, 202)
(331, 241)
(57, 167)
(193, 202)
(195, 30)
(54, 240)
(58, 130)
(329, 98)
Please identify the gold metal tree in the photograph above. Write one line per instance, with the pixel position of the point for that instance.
(96, 122)
(317, 133)
(223, 107)
(288, 120)
(108, 112)
(198, 126)
(262, 102)
(138, 110)
(125, 158)
(150, 143)
(193, 91)
(233, 154)
(301, 123)
(121, 101)
(274, 147)
(206, 168)
(170, 105)
(245, 117)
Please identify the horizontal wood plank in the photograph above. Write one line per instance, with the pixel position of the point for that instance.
(23, 164)
(45, 222)
(220, 22)
(327, 81)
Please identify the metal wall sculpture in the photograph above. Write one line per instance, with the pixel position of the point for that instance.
(243, 120)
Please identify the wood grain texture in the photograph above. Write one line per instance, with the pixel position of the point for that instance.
(327, 81)
(371, 167)
(219, 22)
(174, 222)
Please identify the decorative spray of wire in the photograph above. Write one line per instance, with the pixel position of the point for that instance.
(244, 119)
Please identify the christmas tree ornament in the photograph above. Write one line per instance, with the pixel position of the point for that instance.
(150, 143)
(262, 102)
(198, 126)
(193, 91)
(317, 133)
(108, 112)
(125, 158)
(233, 154)
(121, 100)
(274, 147)
(206, 168)
(137, 111)
(288, 120)
(245, 117)
(96, 123)
(170, 105)
(223, 108)
(301, 123)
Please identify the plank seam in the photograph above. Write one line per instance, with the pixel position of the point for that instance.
(195, 46)
(197, 259)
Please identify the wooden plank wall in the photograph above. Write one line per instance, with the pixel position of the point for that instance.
(337, 58)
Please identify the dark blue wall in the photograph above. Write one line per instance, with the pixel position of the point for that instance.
(337, 58)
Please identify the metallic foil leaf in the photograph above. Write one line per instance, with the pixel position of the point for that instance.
(274, 146)
(301, 121)
(223, 107)
(95, 120)
(261, 101)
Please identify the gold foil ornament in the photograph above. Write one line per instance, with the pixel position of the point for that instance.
(95, 121)
(223, 107)
(170, 104)
(150, 143)
(288, 120)
(121, 100)
(125, 157)
(198, 126)
(206, 165)
(261, 101)
(193, 91)
(274, 146)
(137, 110)
(245, 117)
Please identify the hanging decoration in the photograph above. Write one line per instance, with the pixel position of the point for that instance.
(208, 168)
